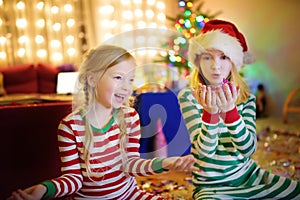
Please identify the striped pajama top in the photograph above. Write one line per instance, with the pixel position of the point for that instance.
(111, 181)
(223, 144)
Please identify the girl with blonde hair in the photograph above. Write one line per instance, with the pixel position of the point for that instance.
(99, 140)
(219, 112)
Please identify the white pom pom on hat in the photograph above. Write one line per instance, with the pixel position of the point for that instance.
(223, 36)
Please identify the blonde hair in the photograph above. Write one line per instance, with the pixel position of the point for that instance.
(196, 78)
(96, 62)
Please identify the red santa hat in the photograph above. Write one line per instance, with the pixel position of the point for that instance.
(223, 36)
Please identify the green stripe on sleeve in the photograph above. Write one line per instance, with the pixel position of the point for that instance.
(50, 189)
(157, 165)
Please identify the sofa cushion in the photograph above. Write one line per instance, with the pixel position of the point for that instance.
(47, 78)
(20, 79)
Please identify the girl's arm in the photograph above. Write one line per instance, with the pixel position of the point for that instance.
(71, 180)
(241, 124)
(202, 127)
(136, 166)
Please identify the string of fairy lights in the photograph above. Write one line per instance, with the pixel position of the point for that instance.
(40, 31)
(60, 31)
(190, 23)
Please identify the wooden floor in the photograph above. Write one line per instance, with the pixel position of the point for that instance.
(278, 151)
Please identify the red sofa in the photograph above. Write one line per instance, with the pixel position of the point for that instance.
(32, 78)
(29, 128)
(29, 151)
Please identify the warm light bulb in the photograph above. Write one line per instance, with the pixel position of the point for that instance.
(21, 52)
(149, 13)
(40, 23)
(160, 5)
(150, 2)
(40, 5)
(193, 30)
(71, 51)
(70, 22)
(21, 23)
(161, 16)
(2, 40)
(56, 26)
(163, 53)
(106, 10)
(68, 8)
(125, 2)
(54, 9)
(41, 53)
(39, 39)
(70, 39)
(57, 57)
(2, 55)
(20, 5)
(23, 39)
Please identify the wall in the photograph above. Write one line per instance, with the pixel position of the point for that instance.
(271, 28)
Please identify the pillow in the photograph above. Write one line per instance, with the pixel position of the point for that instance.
(47, 78)
(20, 79)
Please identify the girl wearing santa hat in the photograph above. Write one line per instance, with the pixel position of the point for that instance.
(219, 112)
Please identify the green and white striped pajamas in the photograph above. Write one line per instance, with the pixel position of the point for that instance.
(223, 145)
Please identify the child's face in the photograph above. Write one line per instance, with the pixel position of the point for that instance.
(215, 66)
(115, 86)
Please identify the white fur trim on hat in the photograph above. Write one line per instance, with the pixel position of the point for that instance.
(218, 40)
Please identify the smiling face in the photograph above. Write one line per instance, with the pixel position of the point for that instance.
(215, 66)
(115, 86)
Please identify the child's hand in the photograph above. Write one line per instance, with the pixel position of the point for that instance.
(207, 98)
(226, 96)
(180, 163)
(32, 193)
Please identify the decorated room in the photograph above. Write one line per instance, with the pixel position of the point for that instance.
(176, 125)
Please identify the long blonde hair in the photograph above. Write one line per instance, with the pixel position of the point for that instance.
(96, 63)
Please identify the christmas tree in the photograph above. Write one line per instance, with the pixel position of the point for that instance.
(188, 23)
